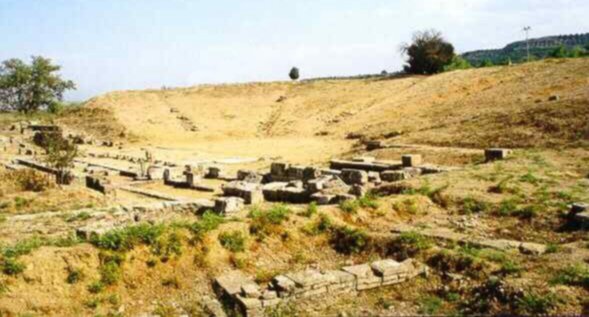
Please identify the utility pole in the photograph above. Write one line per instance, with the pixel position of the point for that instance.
(527, 30)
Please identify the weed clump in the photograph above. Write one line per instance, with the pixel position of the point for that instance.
(573, 275)
(350, 206)
(233, 241)
(348, 240)
(269, 222)
(409, 244)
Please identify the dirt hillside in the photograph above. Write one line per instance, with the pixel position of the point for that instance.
(497, 106)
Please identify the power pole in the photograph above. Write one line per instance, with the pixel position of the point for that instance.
(527, 30)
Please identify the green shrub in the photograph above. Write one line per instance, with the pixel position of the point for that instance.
(233, 241)
(574, 275)
(349, 206)
(110, 267)
(268, 222)
(473, 206)
(311, 210)
(408, 244)
(11, 266)
(22, 247)
(507, 207)
(126, 239)
(168, 245)
(430, 305)
(457, 262)
(348, 240)
(457, 63)
(408, 205)
(321, 225)
(536, 304)
(81, 216)
(368, 201)
(210, 221)
(95, 287)
(74, 276)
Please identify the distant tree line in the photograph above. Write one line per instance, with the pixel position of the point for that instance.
(28, 88)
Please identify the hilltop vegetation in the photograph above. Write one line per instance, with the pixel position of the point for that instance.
(539, 48)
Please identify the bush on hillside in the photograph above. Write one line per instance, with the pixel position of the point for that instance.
(428, 54)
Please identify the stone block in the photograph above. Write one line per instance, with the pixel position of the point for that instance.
(494, 154)
(213, 172)
(251, 290)
(309, 279)
(250, 192)
(310, 173)
(354, 176)
(323, 199)
(228, 205)
(358, 190)
(295, 172)
(315, 292)
(411, 160)
(387, 267)
(364, 159)
(393, 176)
(577, 208)
(374, 177)
(283, 285)
(278, 169)
(231, 283)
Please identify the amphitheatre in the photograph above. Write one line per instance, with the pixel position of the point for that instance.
(464, 191)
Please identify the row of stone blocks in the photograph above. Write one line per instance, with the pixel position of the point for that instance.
(251, 299)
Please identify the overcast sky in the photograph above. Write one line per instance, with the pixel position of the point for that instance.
(106, 45)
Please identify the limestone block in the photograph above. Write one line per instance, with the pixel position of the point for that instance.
(393, 176)
(295, 172)
(577, 208)
(374, 177)
(278, 169)
(310, 173)
(387, 267)
(354, 176)
(365, 277)
(358, 190)
(411, 160)
(323, 199)
(250, 192)
(231, 283)
(251, 290)
(309, 279)
(228, 205)
(283, 285)
(496, 154)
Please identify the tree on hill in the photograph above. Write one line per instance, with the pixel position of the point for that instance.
(559, 52)
(61, 154)
(428, 53)
(294, 73)
(29, 88)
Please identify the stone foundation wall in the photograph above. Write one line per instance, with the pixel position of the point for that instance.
(251, 299)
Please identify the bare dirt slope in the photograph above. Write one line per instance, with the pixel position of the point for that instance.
(497, 106)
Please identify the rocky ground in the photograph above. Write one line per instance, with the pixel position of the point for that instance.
(486, 236)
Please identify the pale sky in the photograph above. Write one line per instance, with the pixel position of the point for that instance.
(106, 45)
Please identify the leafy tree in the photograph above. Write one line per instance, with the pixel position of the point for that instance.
(60, 155)
(559, 52)
(294, 73)
(487, 63)
(428, 53)
(457, 63)
(577, 51)
(28, 88)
